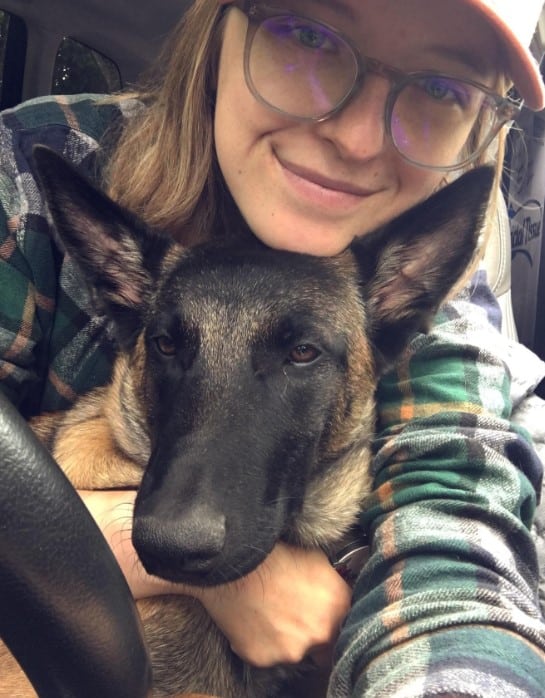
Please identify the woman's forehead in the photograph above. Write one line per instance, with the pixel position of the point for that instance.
(411, 34)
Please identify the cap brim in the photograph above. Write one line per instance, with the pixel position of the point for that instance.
(523, 68)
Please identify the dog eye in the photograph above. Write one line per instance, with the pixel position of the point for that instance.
(304, 354)
(165, 345)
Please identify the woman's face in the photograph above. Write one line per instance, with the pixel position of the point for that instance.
(312, 187)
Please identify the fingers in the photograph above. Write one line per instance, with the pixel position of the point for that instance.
(290, 607)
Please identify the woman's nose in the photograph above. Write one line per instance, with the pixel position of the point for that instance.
(358, 130)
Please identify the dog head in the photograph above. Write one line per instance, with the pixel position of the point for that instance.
(253, 370)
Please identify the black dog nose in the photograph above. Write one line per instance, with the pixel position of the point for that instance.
(186, 544)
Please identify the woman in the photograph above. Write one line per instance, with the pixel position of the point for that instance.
(313, 146)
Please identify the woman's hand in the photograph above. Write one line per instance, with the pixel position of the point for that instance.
(291, 606)
(112, 510)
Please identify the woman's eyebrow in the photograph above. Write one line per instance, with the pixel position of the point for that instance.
(341, 8)
(465, 57)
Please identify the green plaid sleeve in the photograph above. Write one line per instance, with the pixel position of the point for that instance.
(17, 334)
(53, 347)
(447, 604)
(23, 309)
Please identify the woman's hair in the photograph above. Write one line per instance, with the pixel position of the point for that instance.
(163, 167)
(495, 153)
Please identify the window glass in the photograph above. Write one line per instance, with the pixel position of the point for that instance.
(79, 68)
(12, 58)
(4, 28)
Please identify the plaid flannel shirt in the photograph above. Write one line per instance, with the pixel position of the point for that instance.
(447, 603)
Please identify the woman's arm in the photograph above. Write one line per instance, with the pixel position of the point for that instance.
(293, 604)
(447, 604)
(52, 346)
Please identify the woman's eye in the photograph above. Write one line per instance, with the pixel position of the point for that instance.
(446, 90)
(303, 354)
(311, 37)
(165, 345)
(438, 90)
(303, 33)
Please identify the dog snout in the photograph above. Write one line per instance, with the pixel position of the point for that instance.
(180, 548)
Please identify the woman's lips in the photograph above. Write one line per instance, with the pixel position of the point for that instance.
(322, 189)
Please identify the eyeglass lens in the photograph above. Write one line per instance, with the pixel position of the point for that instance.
(304, 69)
(439, 121)
(300, 67)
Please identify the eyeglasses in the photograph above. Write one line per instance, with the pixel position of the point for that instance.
(307, 70)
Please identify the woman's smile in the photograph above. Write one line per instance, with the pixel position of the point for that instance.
(319, 189)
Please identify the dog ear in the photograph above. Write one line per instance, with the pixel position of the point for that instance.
(408, 267)
(112, 248)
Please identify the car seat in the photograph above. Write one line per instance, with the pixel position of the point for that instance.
(497, 264)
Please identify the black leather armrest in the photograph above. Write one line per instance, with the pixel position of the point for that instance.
(66, 612)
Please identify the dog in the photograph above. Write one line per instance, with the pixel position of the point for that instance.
(242, 399)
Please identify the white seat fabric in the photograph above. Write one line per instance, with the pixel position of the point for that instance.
(497, 262)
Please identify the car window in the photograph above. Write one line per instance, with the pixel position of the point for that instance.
(4, 28)
(13, 39)
(79, 68)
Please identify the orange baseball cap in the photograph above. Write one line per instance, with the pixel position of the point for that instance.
(515, 21)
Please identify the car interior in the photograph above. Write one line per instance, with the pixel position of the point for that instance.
(61, 47)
